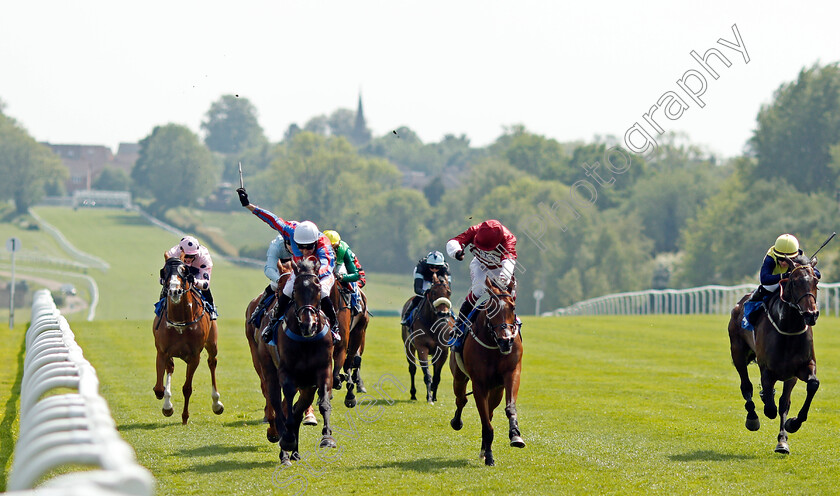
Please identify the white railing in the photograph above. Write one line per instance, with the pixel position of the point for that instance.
(705, 299)
(74, 428)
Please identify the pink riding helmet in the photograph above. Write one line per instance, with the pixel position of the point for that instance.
(189, 245)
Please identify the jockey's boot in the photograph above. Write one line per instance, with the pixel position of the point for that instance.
(411, 306)
(260, 307)
(329, 311)
(276, 316)
(462, 323)
(209, 297)
(759, 294)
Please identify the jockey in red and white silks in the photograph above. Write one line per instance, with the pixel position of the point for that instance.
(494, 249)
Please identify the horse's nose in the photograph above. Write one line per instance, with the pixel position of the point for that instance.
(505, 346)
(811, 317)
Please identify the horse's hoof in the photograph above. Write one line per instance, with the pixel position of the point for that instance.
(272, 438)
(167, 412)
(284, 459)
(362, 388)
(770, 411)
(184, 420)
(218, 410)
(487, 456)
(350, 402)
(792, 425)
(327, 442)
(413, 398)
(783, 448)
(517, 442)
(287, 443)
(310, 419)
(264, 420)
(456, 424)
(337, 385)
(753, 424)
(159, 395)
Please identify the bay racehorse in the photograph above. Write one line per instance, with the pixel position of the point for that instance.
(301, 361)
(783, 347)
(183, 330)
(252, 335)
(492, 359)
(428, 334)
(347, 355)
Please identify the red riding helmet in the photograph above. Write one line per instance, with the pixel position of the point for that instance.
(490, 235)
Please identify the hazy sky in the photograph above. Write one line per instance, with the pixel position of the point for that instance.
(103, 72)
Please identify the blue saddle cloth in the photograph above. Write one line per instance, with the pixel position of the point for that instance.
(460, 336)
(258, 315)
(750, 307)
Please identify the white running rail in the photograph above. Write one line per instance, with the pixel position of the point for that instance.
(705, 299)
(73, 428)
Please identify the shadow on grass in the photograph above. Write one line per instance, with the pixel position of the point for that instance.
(422, 465)
(10, 414)
(224, 466)
(239, 423)
(216, 449)
(147, 426)
(708, 456)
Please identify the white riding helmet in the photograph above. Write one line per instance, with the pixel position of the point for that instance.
(306, 233)
(434, 258)
(189, 245)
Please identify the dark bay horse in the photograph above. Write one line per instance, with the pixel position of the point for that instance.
(252, 335)
(492, 359)
(783, 347)
(348, 353)
(301, 361)
(181, 331)
(428, 335)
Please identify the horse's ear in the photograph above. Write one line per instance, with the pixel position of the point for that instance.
(294, 266)
(434, 277)
(488, 282)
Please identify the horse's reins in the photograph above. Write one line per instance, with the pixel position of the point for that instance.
(180, 325)
(791, 304)
(304, 308)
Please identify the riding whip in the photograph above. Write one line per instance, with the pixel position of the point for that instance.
(823, 245)
(242, 183)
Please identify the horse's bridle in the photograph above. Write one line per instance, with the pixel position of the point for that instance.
(179, 326)
(795, 304)
(504, 326)
(301, 310)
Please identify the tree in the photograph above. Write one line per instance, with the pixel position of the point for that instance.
(174, 167)
(232, 125)
(797, 129)
(25, 166)
(342, 122)
(112, 179)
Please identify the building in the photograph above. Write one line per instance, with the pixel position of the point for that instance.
(86, 162)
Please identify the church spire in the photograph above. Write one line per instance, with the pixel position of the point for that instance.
(361, 134)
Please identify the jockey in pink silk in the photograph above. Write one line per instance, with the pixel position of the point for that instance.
(197, 258)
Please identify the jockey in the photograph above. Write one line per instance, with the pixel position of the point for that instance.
(197, 258)
(773, 269)
(348, 271)
(426, 267)
(494, 251)
(278, 253)
(308, 241)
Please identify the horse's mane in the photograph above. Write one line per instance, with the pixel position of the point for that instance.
(173, 261)
(307, 267)
(801, 259)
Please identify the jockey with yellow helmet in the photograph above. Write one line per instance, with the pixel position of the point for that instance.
(348, 271)
(776, 264)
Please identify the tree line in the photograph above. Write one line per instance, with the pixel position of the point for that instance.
(681, 217)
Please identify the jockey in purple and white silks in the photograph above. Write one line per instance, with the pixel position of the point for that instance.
(305, 240)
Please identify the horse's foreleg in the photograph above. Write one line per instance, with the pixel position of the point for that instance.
(459, 386)
(212, 351)
(784, 407)
(423, 358)
(812, 385)
(192, 366)
(412, 367)
(273, 398)
(739, 351)
(324, 406)
(160, 366)
(768, 394)
(511, 393)
(439, 362)
(484, 413)
(288, 438)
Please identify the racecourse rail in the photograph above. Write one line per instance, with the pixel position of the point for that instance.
(67, 429)
(704, 299)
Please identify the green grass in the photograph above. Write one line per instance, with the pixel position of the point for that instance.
(634, 405)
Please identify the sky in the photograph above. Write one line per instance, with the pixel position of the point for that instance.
(105, 72)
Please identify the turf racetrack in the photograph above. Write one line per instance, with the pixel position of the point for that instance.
(642, 405)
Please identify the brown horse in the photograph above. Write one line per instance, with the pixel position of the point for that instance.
(182, 330)
(301, 361)
(492, 359)
(347, 355)
(783, 347)
(252, 335)
(428, 335)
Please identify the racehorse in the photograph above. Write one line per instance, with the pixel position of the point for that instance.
(428, 335)
(492, 359)
(252, 335)
(783, 347)
(347, 354)
(302, 360)
(182, 330)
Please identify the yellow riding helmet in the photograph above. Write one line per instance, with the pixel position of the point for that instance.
(332, 236)
(786, 246)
